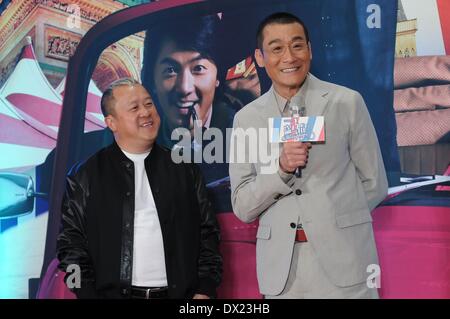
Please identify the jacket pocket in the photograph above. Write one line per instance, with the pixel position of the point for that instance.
(353, 218)
(263, 232)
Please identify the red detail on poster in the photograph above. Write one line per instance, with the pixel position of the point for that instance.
(242, 69)
(444, 16)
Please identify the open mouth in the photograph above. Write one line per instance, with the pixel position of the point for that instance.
(290, 70)
(185, 107)
(146, 124)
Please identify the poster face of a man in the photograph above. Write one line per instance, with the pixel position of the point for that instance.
(185, 82)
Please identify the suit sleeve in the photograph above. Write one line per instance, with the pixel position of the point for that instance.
(210, 260)
(72, 240)
(365, 153)
(252, 192)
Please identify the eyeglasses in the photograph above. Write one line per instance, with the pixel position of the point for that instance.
(295, 48)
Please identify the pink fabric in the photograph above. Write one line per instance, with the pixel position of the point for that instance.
(52, 285)
(444, 15)
(239, 271)
(421, 88)
(18, 132)
(442, 187)
(422, 98)
(416, 71)
(37, 125)
(414, 249)
(413, 246)
(423, 127)
(28, 53)
(93, 105)
(45, 111)
(238, 248)
(239, 256)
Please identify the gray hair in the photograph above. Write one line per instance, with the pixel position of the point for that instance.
(108, 97)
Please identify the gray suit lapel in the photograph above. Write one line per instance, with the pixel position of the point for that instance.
(316, 97)
(316, 100)
(270, 108)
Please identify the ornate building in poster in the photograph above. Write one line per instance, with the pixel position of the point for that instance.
(405, 39)
(56, 31)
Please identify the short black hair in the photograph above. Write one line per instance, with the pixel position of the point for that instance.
(199, 33)
(107, 100)
(278, 18)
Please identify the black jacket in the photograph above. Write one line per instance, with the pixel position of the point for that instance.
(98, 219)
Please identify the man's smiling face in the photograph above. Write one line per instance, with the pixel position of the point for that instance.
(286, 56)
(134, 119)
(184, 80)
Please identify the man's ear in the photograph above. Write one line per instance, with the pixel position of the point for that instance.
(109, 120)
(259, 58)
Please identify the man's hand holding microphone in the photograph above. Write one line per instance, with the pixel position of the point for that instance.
(294, 155)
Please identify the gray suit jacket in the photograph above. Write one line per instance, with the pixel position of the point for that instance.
(343, 181)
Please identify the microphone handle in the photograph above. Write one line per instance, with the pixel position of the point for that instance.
(298, 170)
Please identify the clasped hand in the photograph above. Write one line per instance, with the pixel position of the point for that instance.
(293, 155)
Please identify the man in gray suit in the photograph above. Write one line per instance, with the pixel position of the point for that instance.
(315, 236)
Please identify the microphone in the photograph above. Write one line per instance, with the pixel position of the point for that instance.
(196, 144)
(297, 110)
